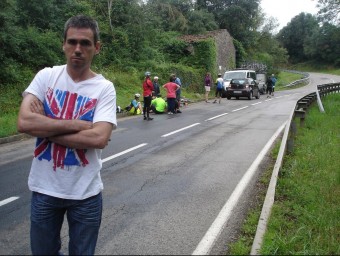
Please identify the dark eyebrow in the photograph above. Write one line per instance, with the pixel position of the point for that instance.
(83, 42)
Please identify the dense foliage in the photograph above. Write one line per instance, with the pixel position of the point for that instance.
(136, 35)
(314, 38)
(139, 35)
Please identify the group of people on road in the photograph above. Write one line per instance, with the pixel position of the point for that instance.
(153, 101)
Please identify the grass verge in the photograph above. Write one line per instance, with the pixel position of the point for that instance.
(305, 215)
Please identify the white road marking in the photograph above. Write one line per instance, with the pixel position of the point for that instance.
(239, 109)
(256, 103)
(8, 200)
(216, 116)
(123, 152)
(171, 133)
(207, 242)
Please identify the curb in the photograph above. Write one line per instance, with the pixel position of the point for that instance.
(17, 137)
(23, 136)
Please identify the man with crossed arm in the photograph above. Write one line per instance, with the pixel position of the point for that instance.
(72, 112)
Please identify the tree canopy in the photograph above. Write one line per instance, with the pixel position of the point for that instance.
(138, 33)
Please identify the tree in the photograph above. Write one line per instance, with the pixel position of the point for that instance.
(323, 45)
(293, 35)
(329, 11)
(240, 17)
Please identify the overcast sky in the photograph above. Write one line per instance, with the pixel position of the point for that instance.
(285, 10)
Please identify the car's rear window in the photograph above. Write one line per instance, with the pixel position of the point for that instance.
(234, 75)
(239, 81)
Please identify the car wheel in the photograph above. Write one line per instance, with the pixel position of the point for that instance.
(236, 98)
(228, 97)
(250, 95)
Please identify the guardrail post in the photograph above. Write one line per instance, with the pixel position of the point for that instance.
(291, 136)
(302, 105)
(299, 113)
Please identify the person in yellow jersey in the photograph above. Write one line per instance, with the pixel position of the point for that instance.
(158, 105)
(135, 107)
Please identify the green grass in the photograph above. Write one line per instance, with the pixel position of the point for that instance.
(305, 216)
(316, 67)
(285, 78)
(126, 85)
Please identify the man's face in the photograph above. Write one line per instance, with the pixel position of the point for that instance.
(79, 47)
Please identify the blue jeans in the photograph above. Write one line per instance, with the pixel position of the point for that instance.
(171, 104)
(47, 216)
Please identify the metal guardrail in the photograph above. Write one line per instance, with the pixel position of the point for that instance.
(302, 81)
(299, 113)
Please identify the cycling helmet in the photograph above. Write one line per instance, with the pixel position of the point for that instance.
(147, 73)
(137, 95)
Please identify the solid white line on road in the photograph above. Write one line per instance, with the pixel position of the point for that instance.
(269, 99)
(256, 103)
(123, 152)
(184, 128)
(211, 118)
(207, 242)
(239, 109)
(8, 200)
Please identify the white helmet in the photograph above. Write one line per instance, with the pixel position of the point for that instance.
(147, 73)
(137, 95)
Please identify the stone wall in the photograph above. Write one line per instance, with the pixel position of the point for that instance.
(226, 53)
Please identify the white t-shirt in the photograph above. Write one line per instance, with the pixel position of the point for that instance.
(220, 79)
(57, 170)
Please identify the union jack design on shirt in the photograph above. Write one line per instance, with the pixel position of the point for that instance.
(64, 105)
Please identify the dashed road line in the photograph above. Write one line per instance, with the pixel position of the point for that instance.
(184, 128)
(212, 118)
(8, 200)
(256, 103)
(123, 152)
(239, 109)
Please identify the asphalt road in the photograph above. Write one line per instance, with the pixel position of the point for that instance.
(166, 180)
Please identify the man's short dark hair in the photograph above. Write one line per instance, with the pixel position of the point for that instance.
(172, 78)
(82, 21)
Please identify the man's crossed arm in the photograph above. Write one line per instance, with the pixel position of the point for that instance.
(72, 133)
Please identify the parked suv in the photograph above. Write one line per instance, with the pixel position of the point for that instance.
(236, 74)
(245, 87)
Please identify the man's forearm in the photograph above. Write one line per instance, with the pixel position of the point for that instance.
(32, 120)
(42, 126)
(97, 137)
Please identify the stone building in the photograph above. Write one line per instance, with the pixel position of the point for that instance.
(226, 53)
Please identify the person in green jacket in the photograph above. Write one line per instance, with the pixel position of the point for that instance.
(158, 105)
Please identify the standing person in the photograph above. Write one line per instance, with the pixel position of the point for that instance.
(178, 95)
(219, 88)
(156, 89)
(147, 93)
(269, 89)
(273, 82)
(171, 87)
(72, 112)
(207, 84)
